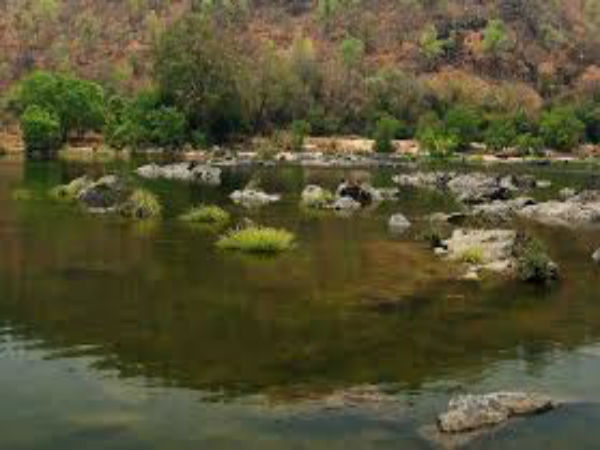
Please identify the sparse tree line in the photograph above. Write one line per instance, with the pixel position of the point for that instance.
(210, 86)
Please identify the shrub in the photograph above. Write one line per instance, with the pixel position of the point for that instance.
(257, 240)
(142, 204)
(386, 130)
(533, 263)
(206, 215)
(438, 142)
(21, 195)
(464, 123)
(529, 144)
(300, 129)
(41, 130)
(500, 133)
(561, 129)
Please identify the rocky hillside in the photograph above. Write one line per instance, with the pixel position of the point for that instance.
(549, 44)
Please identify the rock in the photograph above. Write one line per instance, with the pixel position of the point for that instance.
(398, 223)
(478, 188)
(471, 412)
(587, 196)
(314, 196)
(105, 194)
(483, 249)
(364, 193)
(430, 180)
(596, 256)
(253, 197)
(543, 184)
(440, 251)
(502, 209)
(471, 275)
(567, 193)
(345, 204)
(569, 213)
(185, 171)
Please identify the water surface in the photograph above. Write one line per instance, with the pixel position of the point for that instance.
(142, 335)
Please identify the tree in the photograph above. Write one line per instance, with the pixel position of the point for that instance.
(41, 131)
(464, 123)
(200, 70)
(561, 129)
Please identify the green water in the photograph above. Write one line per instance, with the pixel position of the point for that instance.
(122, 335)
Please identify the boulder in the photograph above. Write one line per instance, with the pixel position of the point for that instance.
(364, 193)
(596, 256)
(569, 213)
(105, 194)
(483, 249)
(185, 171)
(502, 209)
(455, 218)
(478, 188)
(398, 223)
(430, 180)
(253, 197)
(467, 413)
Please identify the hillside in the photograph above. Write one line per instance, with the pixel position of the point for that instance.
(546, 44)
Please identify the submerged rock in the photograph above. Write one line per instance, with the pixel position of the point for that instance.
(471, 412)
(105, 194)
(398, 223)
(253, 197)
(345, 204)
(185, 171)
(364, 193)
(596, 256)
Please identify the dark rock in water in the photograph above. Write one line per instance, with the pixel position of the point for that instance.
(105, 193)
(356, 192)
(596, 256)
(471, 412)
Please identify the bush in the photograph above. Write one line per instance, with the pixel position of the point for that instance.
(473, 255)
(533, 263)
(437, 141)
(142, 204)
(463, 123)
(257, 240)
(69, 192)
(41, 130)
(212, 215)
(561, 129)
(386, 130)
(501, 133)
(300, 129)
(529, 144)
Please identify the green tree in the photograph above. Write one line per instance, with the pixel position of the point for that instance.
(561, 129)
(41, 130)
(386, 130)
(200, 71)
(464, 123)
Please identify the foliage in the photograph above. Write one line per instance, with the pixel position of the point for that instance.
(69, 192)
(533, 263)
(21, 195)
(300, 129)
(41, 130)
(495, 37)
(529, 144)
(464, 124)
(197, 67)
(257, 240)
(77, 104)
(561, 129)
(206, 214)
(142, 204)
(438, 141)
(386, 130)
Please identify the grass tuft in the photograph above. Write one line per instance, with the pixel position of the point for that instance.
(142, 204)
(206, 214)
(256, 239)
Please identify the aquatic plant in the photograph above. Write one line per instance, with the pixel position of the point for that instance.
(69, 192)
(255, 239)
(142, 204)
(207, 214)
(21, 194)
(533, 263)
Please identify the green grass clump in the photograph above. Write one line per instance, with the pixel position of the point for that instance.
(473, 255)
(533, 263)
(256, 239)
(70, 192)
(142, 204)
(21, 195)
(206, 214)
